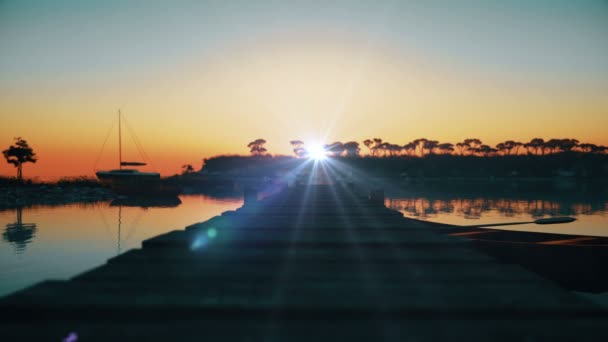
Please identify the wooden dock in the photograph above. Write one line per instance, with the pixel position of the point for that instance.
(313, 264)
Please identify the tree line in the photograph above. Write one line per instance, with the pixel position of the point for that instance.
(423, 147)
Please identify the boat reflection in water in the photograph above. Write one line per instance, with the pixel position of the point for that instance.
(147, 202)
(144, 203)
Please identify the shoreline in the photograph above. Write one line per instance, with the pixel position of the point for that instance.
(27, 194)
(19, 196)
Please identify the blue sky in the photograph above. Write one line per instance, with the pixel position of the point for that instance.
(559, 41)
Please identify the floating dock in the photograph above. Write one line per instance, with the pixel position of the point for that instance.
(316, 263)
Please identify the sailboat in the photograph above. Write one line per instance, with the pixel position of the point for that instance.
(132, 182)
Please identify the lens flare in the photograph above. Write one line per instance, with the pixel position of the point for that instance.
(317, 152)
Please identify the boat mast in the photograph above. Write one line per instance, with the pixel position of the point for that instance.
(119, 143)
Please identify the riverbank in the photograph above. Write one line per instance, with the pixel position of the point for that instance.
(27, 195)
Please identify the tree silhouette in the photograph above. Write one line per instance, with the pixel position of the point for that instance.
(536, 146)
(298, 148)
(446, 148)
(351, 149)
(485, 150)
(462, 147)
(18, 154)
(376, 147)
(592, 148)
(257, 147)
(472, 145)
(430, 146)
(553, 145)
(368, 143)
(502, 148)
(510, 147)
(410, 148)
(187, 169)
(419, 143)
(335, 149)
(19, 234)
(567, 145)
(384, 148)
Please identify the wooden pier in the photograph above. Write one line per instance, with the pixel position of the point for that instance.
(312, 264)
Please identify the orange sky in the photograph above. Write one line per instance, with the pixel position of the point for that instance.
(319, 95)
(347, 75)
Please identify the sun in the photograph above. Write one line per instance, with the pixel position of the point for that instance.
(317, 152)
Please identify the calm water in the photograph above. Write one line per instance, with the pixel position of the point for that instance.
(474, 203)
(59, 242)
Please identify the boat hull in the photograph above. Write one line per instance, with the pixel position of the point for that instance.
(135, 183)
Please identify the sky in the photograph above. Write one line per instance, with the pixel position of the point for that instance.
(196, 79)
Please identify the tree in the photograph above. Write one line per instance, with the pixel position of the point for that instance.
(502, 148)
(553, 145)
(485, 150)
(376, 147)
(298, 148)
(511, 147)
(592, 148)
(393, 149)
(334, 149)
(446, 148)
(410, 148)
(187, 169)
(420, 144)
(384, 148)
(368, 143)
(430, 146)
(462, 147)
(257, 147)
(472, 144)
(535, 146)
(18, 154)
(351, 148)
(567, 145)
